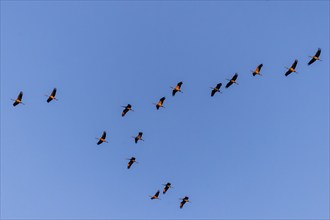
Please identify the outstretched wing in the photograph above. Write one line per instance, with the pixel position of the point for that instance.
(311, 61)
(234, 77)
(213, 92)
(53, 92)
(288, 72)
(318, 53)
(229, 84)
(124, 112)
(104, 135)
(181, 204)
(20, 96)
(294, 64)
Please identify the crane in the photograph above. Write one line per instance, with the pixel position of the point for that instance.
(315, 57)
(52, 96)
(184, 201)
(155, 196)
(138, 137)
(160, 103)
(292, 69)
(177, 88)
(102, 138)
(18, 100)
(131, 161)
(167, 186)
(232, 80)
(257, 70)
(216, 89)
(127, 108)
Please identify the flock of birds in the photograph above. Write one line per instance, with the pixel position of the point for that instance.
(159, 104)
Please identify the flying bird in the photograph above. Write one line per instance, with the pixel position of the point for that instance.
(160, 103)
(216, 89)
(167, 186)
(18, 100)
(130, 162)
(232, 80)
(315, 57)
(102, 138)
(138, 137)
(155, 196)
(184, 200)
(177, 88)
(292, 69)
(126, 109)
(257, 70)
(52, 96)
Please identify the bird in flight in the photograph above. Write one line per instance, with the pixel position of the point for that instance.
(138, 137)
(131, 161)
(315, 57)
(232, 80)
(184, 201)
(160, 103)
(257, 70)
(155, 196)
(52, 96)
(177, 88)
(18, 100)
(102, 138)
(292, 69)
(127, 108)
(216, 89)
(167, 186)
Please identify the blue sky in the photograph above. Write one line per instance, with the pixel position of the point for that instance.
(259, 150)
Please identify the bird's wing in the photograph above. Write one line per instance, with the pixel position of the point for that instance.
(288, 72)
(53, 92)
(20, 96)
(124, 112)
(311, 61)
(104, 135)
(229, 84)
(318, 52)
(213, 92)
(173, 92)
(235, 76)
(219, 85)
(294, 64)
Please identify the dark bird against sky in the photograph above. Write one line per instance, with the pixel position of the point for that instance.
(216, 89)
(292, 69)
(18, 100)
(232, 80)
(177, 88)
(315, 57)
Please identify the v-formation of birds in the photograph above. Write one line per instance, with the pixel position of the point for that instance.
(159, 104)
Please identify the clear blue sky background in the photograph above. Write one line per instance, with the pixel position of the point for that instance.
(259, 150)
